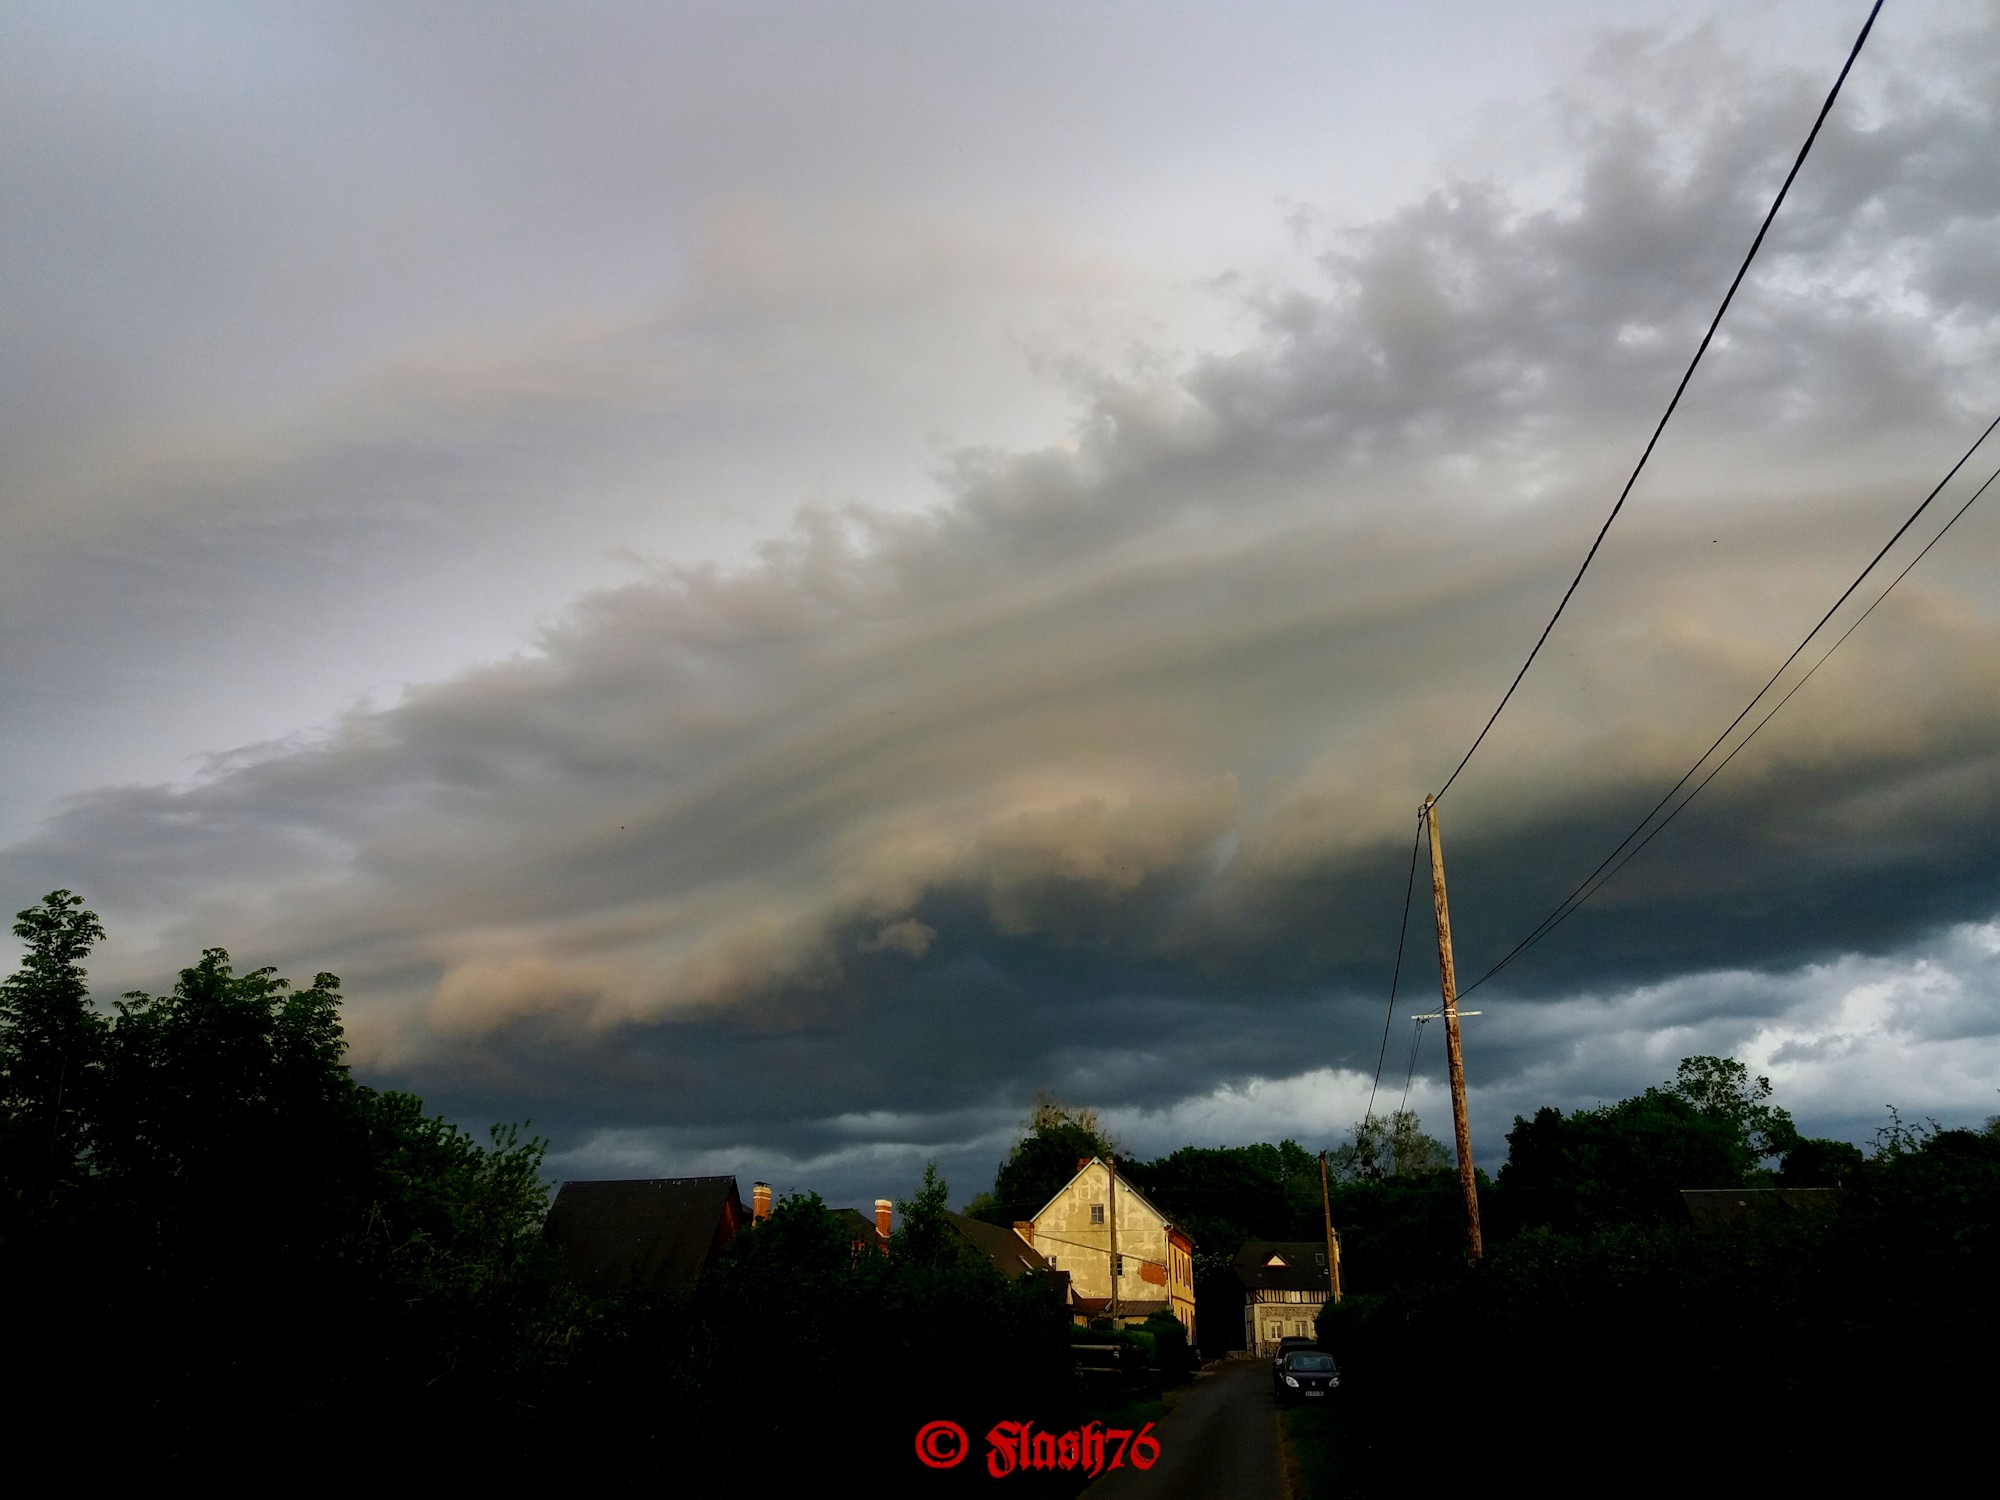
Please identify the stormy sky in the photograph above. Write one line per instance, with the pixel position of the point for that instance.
(766, 581)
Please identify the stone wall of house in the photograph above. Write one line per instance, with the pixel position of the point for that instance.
(1272, 1315)
(1075, 1229)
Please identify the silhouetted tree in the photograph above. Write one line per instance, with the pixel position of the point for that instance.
(1058, 1138)
(251, 1243)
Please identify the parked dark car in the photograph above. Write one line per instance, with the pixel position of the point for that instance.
(1289, 1346)
(1305, 1375)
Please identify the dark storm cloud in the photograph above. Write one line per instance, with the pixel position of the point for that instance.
(1100, 773)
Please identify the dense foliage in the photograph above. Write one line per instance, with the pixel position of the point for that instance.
(244, 1242)
(245, 1254)
(1057, 1142)
(1627, 1162)
(798, 1351)
(1603, 1322)
(213, 1229)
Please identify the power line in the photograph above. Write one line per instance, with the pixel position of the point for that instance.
(1416, 1041)
(1402, 932)
(1592, 883)
(1686, 376)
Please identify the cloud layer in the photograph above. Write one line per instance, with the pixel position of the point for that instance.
(1097, 770)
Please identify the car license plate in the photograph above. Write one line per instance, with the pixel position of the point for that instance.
(1315, 1393)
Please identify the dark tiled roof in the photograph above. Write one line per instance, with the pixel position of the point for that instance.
(1010, 1254)
(857, 1226)
(1708, 1206)
(1304, 1268)
(1128, 1307)
(643, 1234)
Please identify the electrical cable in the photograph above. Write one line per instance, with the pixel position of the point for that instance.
(1402, 932)
(1578, 895)
(1687, 375)
(1592, 883)
(1416, 1041)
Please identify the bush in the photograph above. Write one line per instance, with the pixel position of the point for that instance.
(1649, 1336)
(1170, 1348)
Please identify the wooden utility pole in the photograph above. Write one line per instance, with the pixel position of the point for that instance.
(1448, 979)
(1332, 1241)
(1111, 1217)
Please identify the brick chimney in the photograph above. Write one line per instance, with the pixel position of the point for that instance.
(1025, 1228)
(760, 1202)
(883, 1209)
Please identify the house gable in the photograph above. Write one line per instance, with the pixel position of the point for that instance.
(643, 1234)
(1125, 1191)
(1152, 1269)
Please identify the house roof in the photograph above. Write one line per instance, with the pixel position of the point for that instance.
(1283, 1266)
(1011, 1255)
(1124, 1186)
(857, 1226)
(1708, 1206)
(1128, 1307)
(642, 1234)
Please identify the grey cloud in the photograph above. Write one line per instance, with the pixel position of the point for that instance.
(1099, 772)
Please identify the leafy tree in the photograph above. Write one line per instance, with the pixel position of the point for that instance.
(1389, 1145)
(1626, 1162)
(51, 1051)
(1057, 1139)
(793, 1345)
(230, 1089)
(926, 1238)
(1722, 1089)
(256, 1244)
(1812, 1162)
(1628, 1329)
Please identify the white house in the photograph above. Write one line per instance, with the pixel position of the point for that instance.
(1284, 1287)
(1151, 1266)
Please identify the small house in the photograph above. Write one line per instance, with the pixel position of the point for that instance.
(1285, 1284)
(1125, 1259)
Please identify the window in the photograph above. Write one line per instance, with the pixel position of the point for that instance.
(1052, 1262)
(1097, 1213)
(1117, 1265)
(1271, 1331)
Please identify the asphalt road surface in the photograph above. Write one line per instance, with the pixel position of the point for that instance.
(1220, 1443)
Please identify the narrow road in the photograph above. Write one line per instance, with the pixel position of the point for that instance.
(1220, 1443)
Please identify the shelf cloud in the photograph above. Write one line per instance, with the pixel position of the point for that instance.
(1095, 768)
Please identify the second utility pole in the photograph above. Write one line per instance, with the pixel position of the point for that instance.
(1332, 1239)
(1117, 1270)
(1448, 979)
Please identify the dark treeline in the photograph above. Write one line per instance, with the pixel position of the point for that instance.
(222, 1252)
(226, 1257)
(799, 1356)
(1607, 1339)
